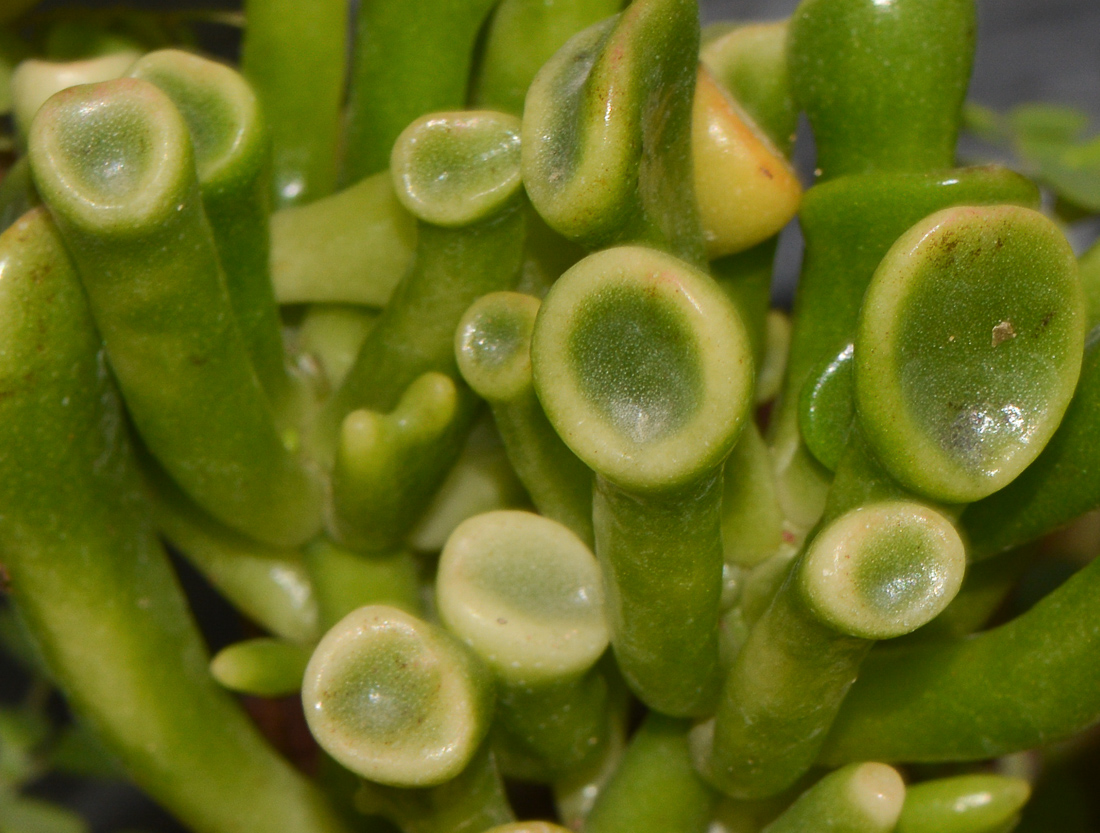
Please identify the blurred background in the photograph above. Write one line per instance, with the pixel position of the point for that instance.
(1028, 51)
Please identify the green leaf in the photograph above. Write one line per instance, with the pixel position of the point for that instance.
(1054, 123)
(16, 643)
(21, 732)
(12, 51)
(983, 122)
(1073, 172)
(1049, 142)
(30, 815)
(79, 752)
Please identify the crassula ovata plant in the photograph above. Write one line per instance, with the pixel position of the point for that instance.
(448, 361)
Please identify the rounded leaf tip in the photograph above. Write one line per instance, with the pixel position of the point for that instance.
(453, 169)
(883, 570)
(395, 699)
(643, 367)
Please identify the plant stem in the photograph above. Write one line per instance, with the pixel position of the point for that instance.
(270, 585)
(1025, 683)
(231, 142)
(295, 57)
(895, 103)
(621, 370)
(493, 349)
(91, 580)
(352, 247)
(472, 802)
(411, 57)
(803, 654)
(654, 789)
(525, 594)
(149, 263)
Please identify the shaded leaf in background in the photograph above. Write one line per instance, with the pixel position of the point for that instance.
(77, 751)
(19, 814)
(22, 732)
(1050, 144)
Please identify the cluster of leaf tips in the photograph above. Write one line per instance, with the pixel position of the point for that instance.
(449, 362)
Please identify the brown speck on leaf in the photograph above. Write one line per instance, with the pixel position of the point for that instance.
(1003, 332)
(502, 621)
(766, 172)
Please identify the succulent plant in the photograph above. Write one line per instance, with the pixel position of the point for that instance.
(464, 390)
